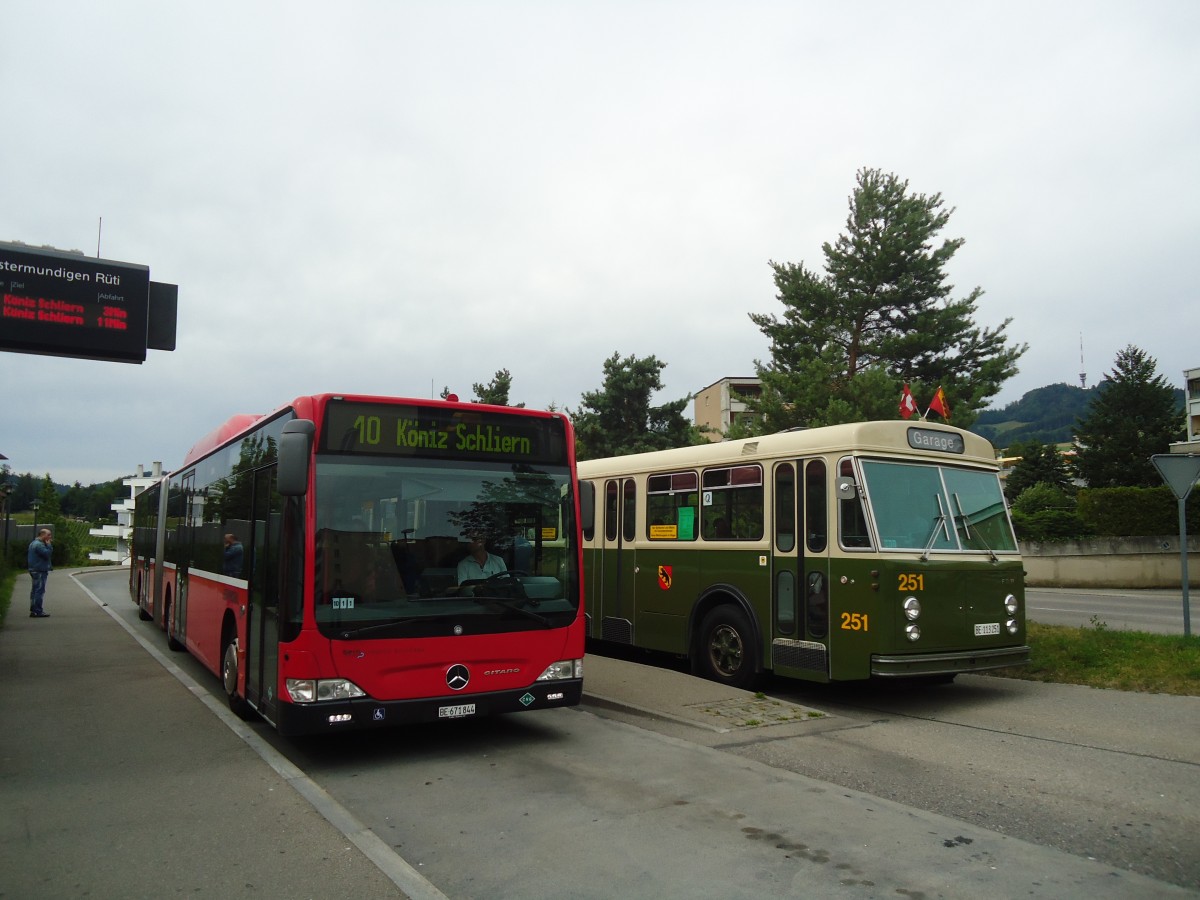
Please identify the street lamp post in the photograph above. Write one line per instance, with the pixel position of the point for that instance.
(35, 504)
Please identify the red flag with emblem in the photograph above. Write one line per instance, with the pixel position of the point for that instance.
(939, 404)
(908, 406)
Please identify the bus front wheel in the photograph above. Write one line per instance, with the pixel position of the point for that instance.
(726, 650)
(229, 678)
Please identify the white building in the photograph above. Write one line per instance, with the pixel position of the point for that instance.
(123, 530)
(1191, 412)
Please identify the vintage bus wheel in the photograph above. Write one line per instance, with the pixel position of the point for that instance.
(726, 651)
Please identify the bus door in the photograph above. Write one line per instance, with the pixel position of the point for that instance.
(854, 607)
(262, 617)
(190, 514)
(800, 589)
(614, 595)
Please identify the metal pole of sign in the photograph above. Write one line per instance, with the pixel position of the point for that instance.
(1183, 555)
(1180, 471)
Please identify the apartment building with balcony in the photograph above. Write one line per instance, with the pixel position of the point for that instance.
(723, 403)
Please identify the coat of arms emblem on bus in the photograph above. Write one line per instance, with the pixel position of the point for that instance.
(664, 577)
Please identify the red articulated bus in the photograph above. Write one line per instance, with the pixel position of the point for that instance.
(356, 561)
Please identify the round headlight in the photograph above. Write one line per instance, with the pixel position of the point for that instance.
(912, 609)
(913, 632)
(1012, 626)
(1010, 605)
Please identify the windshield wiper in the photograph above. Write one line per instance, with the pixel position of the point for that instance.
(966, 524)
(517, 606)
(399, 624)
(938, 522)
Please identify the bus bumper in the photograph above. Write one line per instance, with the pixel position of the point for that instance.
(901, 666)
(364, 712)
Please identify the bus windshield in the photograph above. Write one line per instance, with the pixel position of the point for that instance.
(391, 535)
(925, 507)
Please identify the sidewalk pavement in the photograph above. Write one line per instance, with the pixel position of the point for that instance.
(115, 783)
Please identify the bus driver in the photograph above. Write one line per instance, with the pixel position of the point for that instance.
(478, 563)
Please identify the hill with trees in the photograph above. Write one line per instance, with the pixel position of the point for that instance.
(1045, 415)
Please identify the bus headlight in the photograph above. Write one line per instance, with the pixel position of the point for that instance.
(311, 690)
(1012, 626)
(912, 611)
(1010, 605)
(913, 632)
(562, 670)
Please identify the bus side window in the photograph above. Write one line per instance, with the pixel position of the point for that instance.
(816, 526)
(852, 518)
(785, 508)
(610, 511)
(817, 605)
(629, 521)
(732, 508)
(671, 506)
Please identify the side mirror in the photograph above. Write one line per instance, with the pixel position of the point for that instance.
(295, 456)
(846, 488)
(587, 503)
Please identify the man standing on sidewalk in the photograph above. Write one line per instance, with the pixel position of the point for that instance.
(39, 570)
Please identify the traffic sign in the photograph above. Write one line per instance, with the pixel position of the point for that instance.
(1178, 470)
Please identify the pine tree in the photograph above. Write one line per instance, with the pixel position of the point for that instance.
(879, 317)
(1133, 416)
(618, 419)
(496, 392)
(1040, 464)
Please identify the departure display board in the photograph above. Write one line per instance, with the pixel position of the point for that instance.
(437, 432)
(65, 304)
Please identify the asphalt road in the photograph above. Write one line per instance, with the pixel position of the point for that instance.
(964, 782)
(1156, 611)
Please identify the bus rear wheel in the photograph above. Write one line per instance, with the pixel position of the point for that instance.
(172, 644)
(726, 650)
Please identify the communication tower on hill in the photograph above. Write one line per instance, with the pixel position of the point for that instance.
(1082, 373)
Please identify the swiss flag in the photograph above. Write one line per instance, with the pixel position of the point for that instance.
(908, 406)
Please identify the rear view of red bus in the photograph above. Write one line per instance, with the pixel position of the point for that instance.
(355, 562)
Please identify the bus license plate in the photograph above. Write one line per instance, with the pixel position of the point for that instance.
(466, 709)
(989, 628)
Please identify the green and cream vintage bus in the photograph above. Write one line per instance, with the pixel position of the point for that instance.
(876, 549)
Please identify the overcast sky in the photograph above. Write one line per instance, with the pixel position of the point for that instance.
(393, 197)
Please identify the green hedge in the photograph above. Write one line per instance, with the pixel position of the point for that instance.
(72, 544)
(1135, 511)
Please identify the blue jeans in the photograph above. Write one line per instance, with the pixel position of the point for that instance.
(38, 592)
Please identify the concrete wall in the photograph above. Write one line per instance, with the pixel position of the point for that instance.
(1141, 562)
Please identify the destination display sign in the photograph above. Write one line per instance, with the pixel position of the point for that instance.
(940, 441)
(439, 432)
(66, 304)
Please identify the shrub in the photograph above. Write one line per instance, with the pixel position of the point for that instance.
(1046, 512)
(1135, 511)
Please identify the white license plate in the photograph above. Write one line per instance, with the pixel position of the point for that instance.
(988, 628)
(466, 709)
